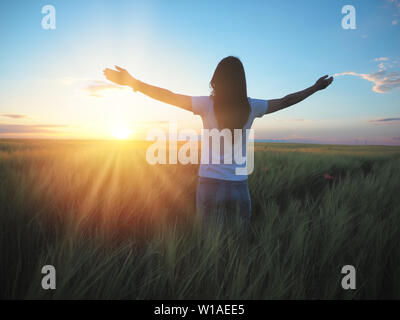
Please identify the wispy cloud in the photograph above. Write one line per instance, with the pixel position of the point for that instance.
(292, 120)
(381, 59)
(14, 116)
(385, 120)
(395, 4)
(29, 128)
(384, 80)
(97, 87)
(161, 122)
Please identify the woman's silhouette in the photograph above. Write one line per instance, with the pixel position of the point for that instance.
(220, 191)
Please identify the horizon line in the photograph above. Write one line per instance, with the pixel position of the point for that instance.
(273, 141)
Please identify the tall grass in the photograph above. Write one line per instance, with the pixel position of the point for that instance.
(115, 227)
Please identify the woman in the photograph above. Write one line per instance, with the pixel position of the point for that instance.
(220, 191)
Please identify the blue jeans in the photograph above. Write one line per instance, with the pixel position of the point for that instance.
(222, 200)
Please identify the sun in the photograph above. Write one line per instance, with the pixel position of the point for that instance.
(121, 133)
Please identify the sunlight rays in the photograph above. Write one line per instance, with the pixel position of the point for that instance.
(121, 133)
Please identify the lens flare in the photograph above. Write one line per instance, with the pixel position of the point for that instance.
(121, 133)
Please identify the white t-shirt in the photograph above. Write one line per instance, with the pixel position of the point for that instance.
(204, 106)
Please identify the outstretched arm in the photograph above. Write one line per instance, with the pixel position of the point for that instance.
(291, 99)
(122, 77)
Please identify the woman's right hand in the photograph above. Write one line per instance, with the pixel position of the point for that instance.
(121, 77)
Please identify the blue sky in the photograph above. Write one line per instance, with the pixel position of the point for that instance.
(51, 82)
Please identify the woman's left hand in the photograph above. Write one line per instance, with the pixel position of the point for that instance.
(121, 76)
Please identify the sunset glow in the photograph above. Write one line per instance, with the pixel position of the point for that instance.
(121, 133)
(62, 92)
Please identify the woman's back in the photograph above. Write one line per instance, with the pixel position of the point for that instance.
(220, 159)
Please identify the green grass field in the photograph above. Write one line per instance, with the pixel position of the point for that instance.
(116, 227)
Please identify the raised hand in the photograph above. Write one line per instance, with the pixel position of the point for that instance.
(121, 77)
(323, 82)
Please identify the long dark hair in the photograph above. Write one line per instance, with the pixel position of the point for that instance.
(229, 92)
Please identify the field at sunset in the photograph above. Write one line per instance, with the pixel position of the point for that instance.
(115, 227)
